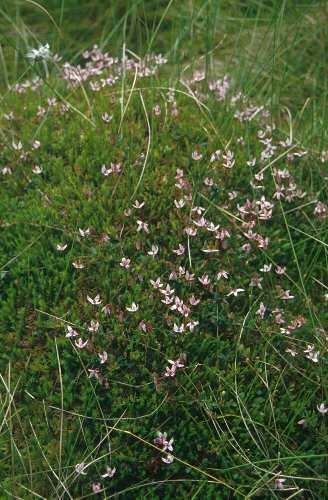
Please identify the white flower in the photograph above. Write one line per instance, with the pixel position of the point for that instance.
(133, 308)
(43, 53)
(61, 248)
(80, 468)
(96, 301)
(103, 357)
(153, 251)
(109, 472)
(322, 408)
(169, 458)
(235, 291)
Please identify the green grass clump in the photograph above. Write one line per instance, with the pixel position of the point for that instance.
(104, 175)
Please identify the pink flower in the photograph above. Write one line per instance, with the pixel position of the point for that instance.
(80, 344)
(71, 332)
(204, 280)
(125, 263)
(180, 250)
(106, 309)
(285, 295)
(156, 284)
(196, 156)
(96, 488)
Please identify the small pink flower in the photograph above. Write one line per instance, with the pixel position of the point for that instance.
(180, 250)
(96, 488)
(196, 156)
(204, 280)
(71, 332)
(125, 263)
(80, 344)
(106, 309)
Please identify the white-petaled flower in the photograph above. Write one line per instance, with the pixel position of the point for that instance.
(266, 268)
(162, 441)
(78, 265)
(142, 226)
(61, 248)
(279, 483)
(156, 284)
(43, 53)
(196, 156)
(94, 326)
(178, 329)
(311, 354)
(96, 301)
(192, 325)
(154, 251)
(80, 468)
(235, 292)
(168, 459)
(106, 117)
(80, 344)
(103, 356)
(84, 232)
(322, 408)
(36, 169)
(261, 310)
(133, 308)
(110, 471)
(138, 205)
(222, 274)
(180, 250)
(70, 332)
(125, 263)
(204, 280)
(286, 295)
